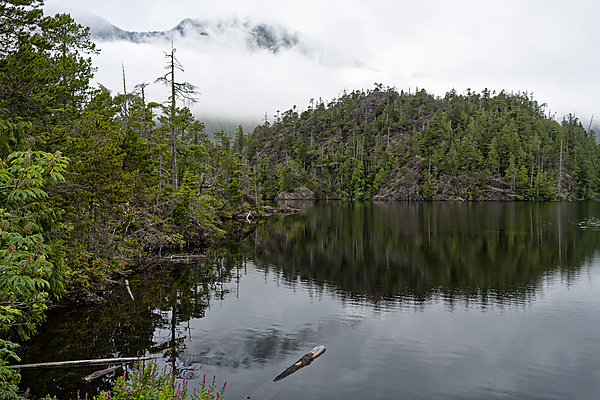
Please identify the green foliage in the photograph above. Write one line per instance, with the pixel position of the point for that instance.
(468, 142)
(9, 378)
(24, 265)
(25, 271)
(358, 185)
(114, 180)
(144, 175)
(194, 208)
(147, 382)
(234, 191)
(44, 76)
(290, 176)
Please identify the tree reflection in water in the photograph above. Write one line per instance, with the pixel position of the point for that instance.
(473, 252)
(155, 323)
(378, 254)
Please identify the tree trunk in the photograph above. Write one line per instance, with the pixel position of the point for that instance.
(173, 130)
(80, 363)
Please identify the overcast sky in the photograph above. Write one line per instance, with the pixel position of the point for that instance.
(547, 47)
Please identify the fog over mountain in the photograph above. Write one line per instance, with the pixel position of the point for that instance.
(248, 68)
(251, 57)
(256, 36)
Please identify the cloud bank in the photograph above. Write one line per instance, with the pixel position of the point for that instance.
(237, 80)
(543, 47)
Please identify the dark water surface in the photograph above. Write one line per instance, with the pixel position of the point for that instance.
(411, 300)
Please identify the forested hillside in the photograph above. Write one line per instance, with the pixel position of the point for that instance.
(92, 181)
(388, 145)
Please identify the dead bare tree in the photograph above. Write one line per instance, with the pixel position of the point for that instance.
(179, 90)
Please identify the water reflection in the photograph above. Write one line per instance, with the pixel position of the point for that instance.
(483, 252)
(152, 324)
(317, 277)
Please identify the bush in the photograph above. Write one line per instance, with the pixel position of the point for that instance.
(148, 383)
(9, 378)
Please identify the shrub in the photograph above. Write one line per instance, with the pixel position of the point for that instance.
(146, 382)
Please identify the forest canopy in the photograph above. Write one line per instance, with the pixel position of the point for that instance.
(93, 181)
(386, 144)
(143, 174)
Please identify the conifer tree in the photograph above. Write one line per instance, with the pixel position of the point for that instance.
(178, 90)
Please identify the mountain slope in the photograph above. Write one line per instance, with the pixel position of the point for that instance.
(386, 145)
(254, 36)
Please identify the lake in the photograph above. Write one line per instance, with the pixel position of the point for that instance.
(412, 301)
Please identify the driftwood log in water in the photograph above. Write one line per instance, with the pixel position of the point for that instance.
(81, 363)
(185, 258)
(129, 289)
(98, 374)
(301, 363)
(270, 389)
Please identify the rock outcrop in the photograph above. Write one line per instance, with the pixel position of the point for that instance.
(408, 183)
(372, 105)
(300, 193)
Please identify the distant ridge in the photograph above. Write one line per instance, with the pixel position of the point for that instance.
(259, 35)
(254, 36)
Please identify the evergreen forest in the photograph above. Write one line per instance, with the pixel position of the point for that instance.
(383, 144)
(91, 181)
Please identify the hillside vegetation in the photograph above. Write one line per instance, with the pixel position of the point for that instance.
(388, 145)
(92, 182)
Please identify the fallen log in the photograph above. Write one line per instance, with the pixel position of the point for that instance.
(81, 363)
(128, 289)
(98, 374)
(184, 258)
(269, 389)
(301, 363)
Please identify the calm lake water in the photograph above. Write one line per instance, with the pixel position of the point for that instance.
(411, 300)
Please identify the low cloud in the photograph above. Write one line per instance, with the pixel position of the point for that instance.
(237, 81)
(539, 47)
